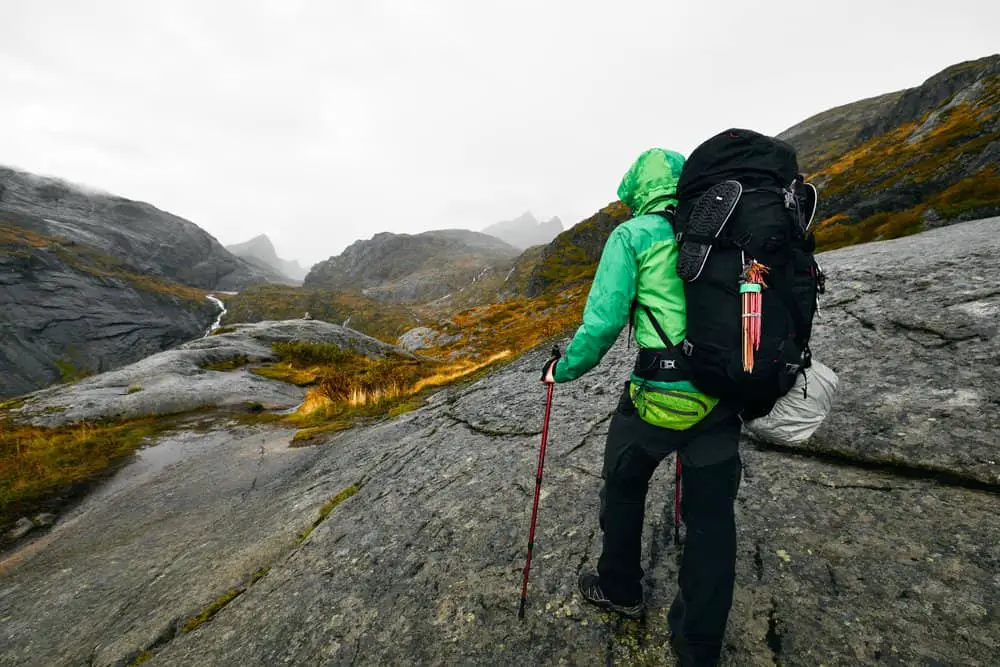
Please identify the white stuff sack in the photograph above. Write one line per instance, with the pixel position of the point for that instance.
(795, 417)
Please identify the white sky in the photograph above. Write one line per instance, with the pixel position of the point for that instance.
(323, 122)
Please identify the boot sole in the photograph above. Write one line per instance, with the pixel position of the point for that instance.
(708, 218)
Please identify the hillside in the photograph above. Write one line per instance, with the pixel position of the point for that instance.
(151, 241)
(260, 252)
(417, 268)
(67, 311)
(380, 319)
(906, 161)
(525, 231)
(573, 255)
(402, 541)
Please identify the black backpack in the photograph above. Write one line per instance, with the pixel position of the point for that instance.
(752, 180)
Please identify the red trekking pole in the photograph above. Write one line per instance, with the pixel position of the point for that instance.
(677, 500)
(534, 510)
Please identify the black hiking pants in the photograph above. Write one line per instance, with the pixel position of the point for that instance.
(710, 481)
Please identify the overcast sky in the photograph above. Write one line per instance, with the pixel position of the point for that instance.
(323, 122)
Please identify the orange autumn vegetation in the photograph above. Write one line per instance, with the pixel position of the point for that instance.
(39, 463)
(916, 155)
(969, 194)
(27, 245)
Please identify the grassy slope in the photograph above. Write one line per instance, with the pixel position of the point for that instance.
(826, 136)
(922, 159)
(913, 174)
(385, 321)
(18, 242)
(572, 257)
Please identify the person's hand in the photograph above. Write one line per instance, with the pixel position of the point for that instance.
(549, 369)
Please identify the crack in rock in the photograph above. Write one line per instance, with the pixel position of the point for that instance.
(586, 436)
(583, 471)
(945, 337)
(482, 430)
(865, 323)
(831, 485)
(773, 632)
(833, 580)
(893, 468)
(253, 483)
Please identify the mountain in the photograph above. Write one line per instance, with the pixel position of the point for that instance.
(259, 249)
(151, 241)
(91, 281)
(67, 310)
(525, 231)
(416, 268)
(906, 161)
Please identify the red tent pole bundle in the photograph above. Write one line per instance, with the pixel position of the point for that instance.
(751, 285)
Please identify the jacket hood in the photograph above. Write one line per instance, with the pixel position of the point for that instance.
(651, 181)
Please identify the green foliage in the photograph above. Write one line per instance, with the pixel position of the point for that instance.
(68, 371)
(229, 364)
(328, 507)
(12, 404)
(212, 609)
(970, 197)
(305, 353)
(926, 156)
(220, 603)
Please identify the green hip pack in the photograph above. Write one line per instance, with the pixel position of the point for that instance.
(669, 408)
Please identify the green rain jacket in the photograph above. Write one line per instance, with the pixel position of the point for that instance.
(638, 263)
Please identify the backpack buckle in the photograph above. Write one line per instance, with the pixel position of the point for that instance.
(790, 202)
(668, 365)
(687, 347)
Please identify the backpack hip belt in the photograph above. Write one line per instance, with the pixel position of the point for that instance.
(660, 365)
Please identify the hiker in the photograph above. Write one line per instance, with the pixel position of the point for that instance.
(636, 284)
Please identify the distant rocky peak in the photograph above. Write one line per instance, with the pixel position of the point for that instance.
(525, 230)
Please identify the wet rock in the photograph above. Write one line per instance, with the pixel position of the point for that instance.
(176, 380)
(61, 321)
(23, 526)
(422, 338)
(910, 327)
(867, 555)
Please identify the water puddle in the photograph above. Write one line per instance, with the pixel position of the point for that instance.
(146, 463)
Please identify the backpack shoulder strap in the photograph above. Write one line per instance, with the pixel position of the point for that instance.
(659, 330)
(669, 214)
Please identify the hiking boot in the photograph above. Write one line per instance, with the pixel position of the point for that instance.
(682, 652)
(590, 589)
(694, 656)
